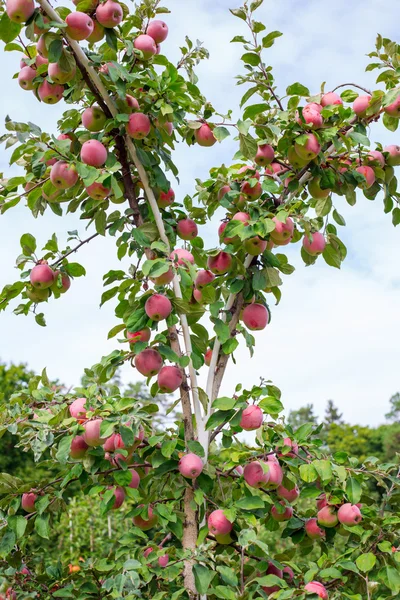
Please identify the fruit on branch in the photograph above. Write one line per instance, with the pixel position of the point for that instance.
(203, 278)
(37, 295)
(393, 159)
(317, 588)
(180, 256)
(251, 192)
(109, 14)
(289, 495)
(42, 276)
(60, 76)
(132, 102)
(50, 93)
(313, 530)
(361, 105)
(375, 156)
(315, 245)
(97, 33)
(148, 362)
(369, 175)
(288, 574)
(169, 379)
(40, 60)
(349, 514)
(98, 191)
(393, 109)
(218, 524)
(273, 570)
(165, 199)
(256, 474)
(146, 44)
(221, 229)
(148, 551)
(282, 516)
(119, 497)
(276, 169)
(26, 77)
(167, 126)
(224, 190)
(143, 335)
(275, 473)
(310, 149)
(158, 30)
(77, 409)
(78, 447)
(79, 25)
(93, 118)
(283, 231)
(63, 175)
(219, 264)
(207, 357)
(135, 481)
(265, 155)
(20, 11)
(158, 307)
(242, 217)
(314, 106)
(109, 444)
(28, 502)
(92, 433)
(93, 153)
(138, 126)
(163, 560)
(331, 99)
(315, 189)
(204, 136)
(146, 524)
(252, 418)
(187, 229)
(41, 47)
(322, 501)
(311, 117)
(190, 466)
(255, 317)
(290, 444)
(165, 278)
(62, 282)
(327, 517)
(295, 160)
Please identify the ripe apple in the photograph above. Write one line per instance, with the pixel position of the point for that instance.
(312, 117)
(374, 156)
(93, 118)
(255, 245)
(119, 497)
(163, 560)
(316, 245)
(78, 447)
(92, 433)
(393, 109)
(330, 99)
(132, 102)
(109, 14)
(143, 335)
(181, 256)
(322, 501)
(289, 495)
(138, 126)
(207, 357)
(255, 317)
(77, 409)
(190, 466)
(158, 30)
(187, 229)
(165, 199)
(42, 276)
(317, 588)
(158, 307)
(393, 159)
(41, 47)
(310, 149)
(62, 282)
(284, 516)
(135, 481)
(272, 570)
(283, 231)
(146, 44)
(28, 502)
(165, 278)
(313, 531)
(327, 517)
(146, 524)
(252, 418)
(59, 76)
(218, 524)
(315, 189)
(93, 153)
(50, 93)
(63, 175)
(169, 379)
(265, 155)
(369, 176)
(204, 136)
(219, 264)
(98, 191)
(295, 160)
(224, 190)
(148, 362)
(97, 33)
(20, 11)
(255, 475)
(361, 105)
(203, 278)
(26, 77)
(275, 473)
(79, 25)
(349, 514)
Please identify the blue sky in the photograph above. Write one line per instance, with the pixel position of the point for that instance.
(334, 334)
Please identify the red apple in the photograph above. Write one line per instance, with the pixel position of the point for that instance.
(158, 30)
(218, 524)
(79, 25)
(255, 317)
(42, 276)
(148, 362)
(146, 44)
(204, 136)
(93, 153)
(109, 14)
(190, 466)
(187, 229)
(169, 379)
(158, 307)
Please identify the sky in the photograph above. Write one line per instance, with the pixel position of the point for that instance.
(334, 334)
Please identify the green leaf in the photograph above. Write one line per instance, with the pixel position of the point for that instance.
(366, 562)
(324, 469)
(359, 138)
(248, 146)
(195, 447)
(338, 218)
(75, 269)
(308, 473)
(18, 524)
(251, 58)
(219, 417)
(42, 526)
(221, 132)
(202, 578)
(271, 405)
(238, 12)
(390, 123)
(391, 578)
(323, 206)
(223, 592)
(55, 51)
(40, 320)
(28, 244)
(250, 503)
(224, 403)
(221, 330)
(8, 29)
(7, 543)
(297, 89)
(269, 39)
(353, 490)
(228, 575)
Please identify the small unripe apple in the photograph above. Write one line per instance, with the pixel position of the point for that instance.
(204, 136)
(265, 155)
(42, 276)
(289, 495)
(190, 466)
(313, 531)
(280, 517)
(331, 98)
(50, 93)
(97, 33)
(317, 588)
(148, 362)
(207, 357)
(109, 14)
(283, 231)
(327, 517)
(252, 418)
(165, 199)
(28, 502)
(26, 77)
(218, 524)
(187, 229)
(219, 264)
(79, 25)
(146, 44)
(203, 278)
(255, 317)
(349, 514)
(295, 160)
(20, 11)
(310, 149)
(315, 245)
(255, 475)
(92, 433)
(78, 447)
(146, 524)
(158, 307)
(93, 118)
(315, 189)
(138, 126)
(37, 295)
(158, 30)
(98, 191)
(143, 335)
(163, 560)
(169, 379)
(63, 176)
(255, 245)
(93, 153)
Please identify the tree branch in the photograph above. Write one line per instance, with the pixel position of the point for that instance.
(353, 85)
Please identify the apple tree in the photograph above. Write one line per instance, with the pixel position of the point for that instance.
(205, 513)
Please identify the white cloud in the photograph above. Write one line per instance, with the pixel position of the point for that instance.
(335, 334)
